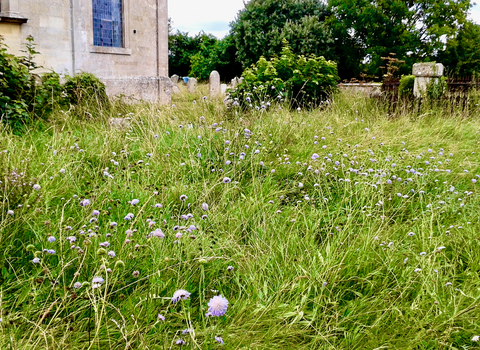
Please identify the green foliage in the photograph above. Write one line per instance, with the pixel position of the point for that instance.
(198, 56)
(85, 88)
(25, 96)
(436, 88)
(405, 89)
(462, 54)
(368, 30)
(262, 25)
(300, 80)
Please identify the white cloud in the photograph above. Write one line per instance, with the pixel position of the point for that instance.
(474, 14)
(211, 16)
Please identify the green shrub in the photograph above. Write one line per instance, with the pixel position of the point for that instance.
(301, 81)
(405, 88)
(436, 88)
(85, 88)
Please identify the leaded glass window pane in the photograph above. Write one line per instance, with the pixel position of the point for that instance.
(107, 23)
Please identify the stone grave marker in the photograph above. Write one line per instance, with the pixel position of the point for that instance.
(214, 84)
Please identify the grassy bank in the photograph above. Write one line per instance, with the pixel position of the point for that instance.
(341, 228)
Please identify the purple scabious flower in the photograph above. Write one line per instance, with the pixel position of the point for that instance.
(161, 317)
(226, 180)
(36, 260)
(183, 198)
(129, 216)
(218, 305)
(180, 341)
(205, 206)
(219, 339)
(158, 205)
(134, 201)
(85, 202)
(95, 213)
(111, 254)
(36, 187)
(113, 224)
(180, 294)
(157, 233)
(51, 239)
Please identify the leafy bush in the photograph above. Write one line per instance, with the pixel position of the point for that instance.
(436, 88)
(85, 87)
(301, 81)
(25, 96)
(405, 89)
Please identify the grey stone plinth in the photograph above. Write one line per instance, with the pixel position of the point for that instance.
(214, 84)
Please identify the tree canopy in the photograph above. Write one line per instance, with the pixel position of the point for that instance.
(262, 25)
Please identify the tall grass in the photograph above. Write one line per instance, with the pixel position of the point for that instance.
(341, 228)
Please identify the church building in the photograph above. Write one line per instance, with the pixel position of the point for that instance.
(123, 42)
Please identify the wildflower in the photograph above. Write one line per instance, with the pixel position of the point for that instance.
(85, 202)
(36, 260)
(218, 305)
(410, 234)
(77, 285)
(300, 185)
(129, 216)
(161, 317)
(134, 201)
(180, 341)
(157, 233)
(183, 198)
(448, 284)
(113, 224)
(51, 239)
(476, 338)
(95, 213)
(219, 339)
(111, 254)
(97, 282)
(205, 206)
(186, 331)
(36, 187)
(226, 180)
(136, 273)
(180, 294)
(417, 270)
(230, 268)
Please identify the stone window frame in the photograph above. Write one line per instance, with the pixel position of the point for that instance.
(9, 12)
(125, 50)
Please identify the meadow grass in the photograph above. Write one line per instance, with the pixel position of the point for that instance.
(337, 228)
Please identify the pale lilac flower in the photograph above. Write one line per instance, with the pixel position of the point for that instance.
(51, 239)
(36, 260)
(129, 216)
(230, 268)
(85, 202)
(476, 338)
(157, 233)
(36, 187)
(205, 206)
(219, 339)
(113, 224)
(77, 285)
(10, 212)
(161, 317)
(178, 235)
(180, 294)
(218, 305)
(135, 201)
(186, 331)
(183, 198)
(50, 251)
(158, 205)
(226, 180)
(181, 341)
(111, 254)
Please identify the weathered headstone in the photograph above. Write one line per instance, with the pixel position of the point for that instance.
(223, 89)
(165, 90)
(174, 79)
(425, 74)
(234, 83)
(192, 85)
(214, 84)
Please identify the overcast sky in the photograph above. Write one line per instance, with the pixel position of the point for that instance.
(214, 16)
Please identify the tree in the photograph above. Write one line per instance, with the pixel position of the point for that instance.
(412, 29)
(462, 54)
(261, 26)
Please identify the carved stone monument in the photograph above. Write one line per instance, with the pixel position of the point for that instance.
(425, 74)
(214, 84)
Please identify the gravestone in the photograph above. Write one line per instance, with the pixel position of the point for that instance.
(174, 79)
(214, 84)
(425, 74)
(223, 89)
(234, 83)
(192, 85)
